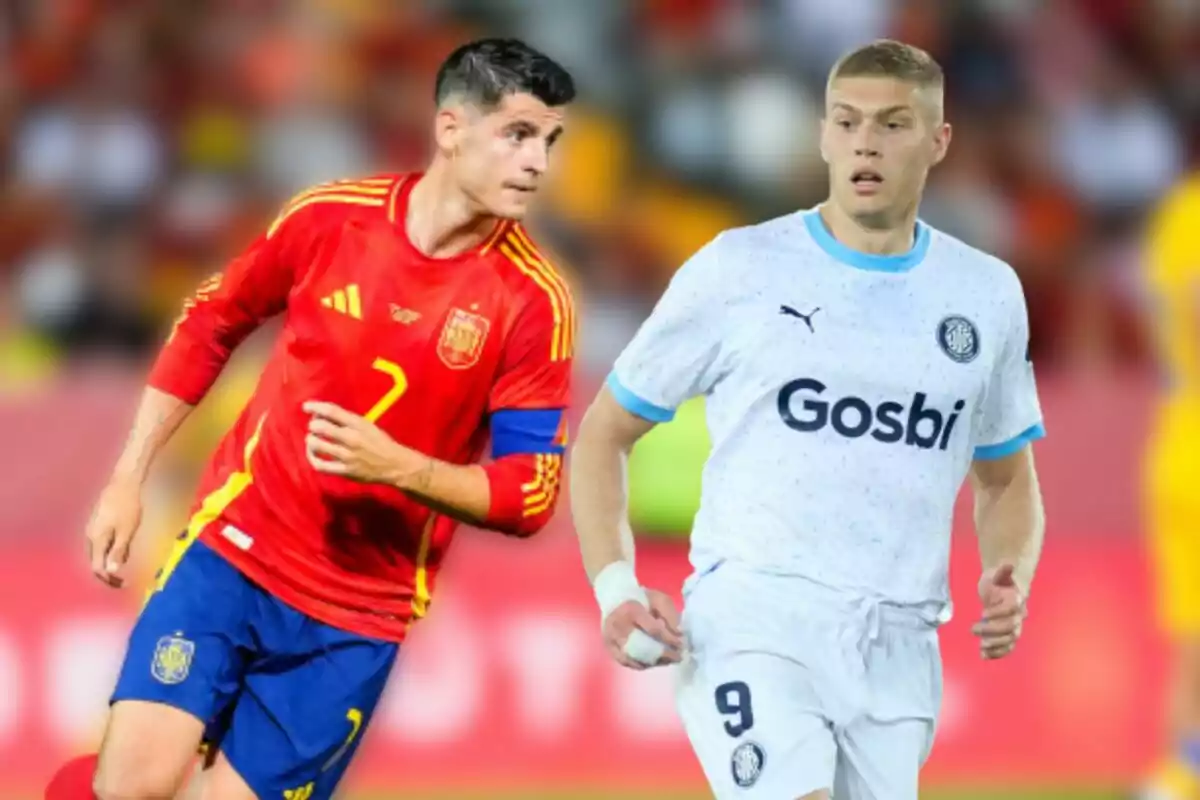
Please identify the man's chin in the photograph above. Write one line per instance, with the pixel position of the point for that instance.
(514, 209)
(871, 211)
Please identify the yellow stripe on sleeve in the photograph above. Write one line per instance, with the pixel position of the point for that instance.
(536, 277)
(501, 229)
(551, 284)
(549, 467)
(331, 197)
(540, 262)
(362, 188)
(539, 476)
(367, 191)
(539, 503)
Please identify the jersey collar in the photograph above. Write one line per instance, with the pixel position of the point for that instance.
(902, 262)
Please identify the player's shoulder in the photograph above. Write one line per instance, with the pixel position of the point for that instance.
(535, 281)
(973, 269)
(738, 251)
(771, 235)
(372, 196)
(530, 270)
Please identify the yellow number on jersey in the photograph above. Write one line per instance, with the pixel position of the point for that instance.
(399, 387)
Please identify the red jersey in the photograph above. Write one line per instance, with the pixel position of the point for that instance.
(428, 349)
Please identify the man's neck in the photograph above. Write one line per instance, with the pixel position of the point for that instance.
(889, 241)
(442, 222)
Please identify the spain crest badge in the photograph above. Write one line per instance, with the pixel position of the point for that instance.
(462, 339)
(172, 659)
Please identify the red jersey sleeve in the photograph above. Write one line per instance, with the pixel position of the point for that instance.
(538, 356)
(535, 380)
(227, 307)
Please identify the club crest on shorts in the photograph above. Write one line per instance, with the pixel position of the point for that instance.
(747, 764)
(958, 338)
(172, 659)
(462, 339)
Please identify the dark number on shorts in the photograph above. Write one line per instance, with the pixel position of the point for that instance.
(734, 698)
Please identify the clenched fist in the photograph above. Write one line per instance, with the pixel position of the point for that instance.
(660, 622)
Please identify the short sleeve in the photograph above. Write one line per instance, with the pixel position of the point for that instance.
(1011, 415)
(674, 355)
(535, 370)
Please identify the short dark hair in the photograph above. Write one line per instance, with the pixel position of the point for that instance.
(486, 71)
(888, 58)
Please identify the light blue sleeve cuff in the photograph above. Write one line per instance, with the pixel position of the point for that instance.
(991, 452)
(636, 405)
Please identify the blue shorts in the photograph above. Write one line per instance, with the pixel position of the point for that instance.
(285, 698)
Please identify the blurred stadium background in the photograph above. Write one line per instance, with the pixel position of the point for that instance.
(143, 142)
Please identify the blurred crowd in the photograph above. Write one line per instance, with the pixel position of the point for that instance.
(144, 142)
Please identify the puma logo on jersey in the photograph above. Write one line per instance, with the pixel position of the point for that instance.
(345, 301)
(304, 792)
(791, 312)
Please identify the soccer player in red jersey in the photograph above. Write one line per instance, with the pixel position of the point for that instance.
(420, 322)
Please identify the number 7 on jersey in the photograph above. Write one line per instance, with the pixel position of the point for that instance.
(399, 387)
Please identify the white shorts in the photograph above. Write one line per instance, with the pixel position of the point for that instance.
(789, 689)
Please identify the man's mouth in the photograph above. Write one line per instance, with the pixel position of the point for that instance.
(866, 176)
(866, 181)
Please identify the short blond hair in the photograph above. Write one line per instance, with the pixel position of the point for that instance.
(888, 58)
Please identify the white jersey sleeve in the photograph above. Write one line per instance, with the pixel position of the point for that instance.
(675, 354)
(1010, 415)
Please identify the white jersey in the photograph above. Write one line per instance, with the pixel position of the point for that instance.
(847, 395)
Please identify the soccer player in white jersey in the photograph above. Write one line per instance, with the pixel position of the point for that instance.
(857, 366)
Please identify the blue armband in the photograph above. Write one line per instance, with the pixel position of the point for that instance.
(528, 430)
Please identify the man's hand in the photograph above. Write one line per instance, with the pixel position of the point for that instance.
(660, 621)
(340, 442)
(1003, 613)
(111, 529)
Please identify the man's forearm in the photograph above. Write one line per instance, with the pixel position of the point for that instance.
(453, 490)
(599, 501)
(1010, 522)
(158, 416)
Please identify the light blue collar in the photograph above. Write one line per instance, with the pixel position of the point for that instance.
(854, 258)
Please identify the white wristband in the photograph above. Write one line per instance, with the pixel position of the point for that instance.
(618, 584)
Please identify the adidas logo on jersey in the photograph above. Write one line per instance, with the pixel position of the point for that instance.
(890, 422)
(345, 301)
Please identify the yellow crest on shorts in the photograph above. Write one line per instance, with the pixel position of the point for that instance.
(172, 659)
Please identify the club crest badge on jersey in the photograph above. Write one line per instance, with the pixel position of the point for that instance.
(959, 338)
(747, 764)
(462, 339)
(172, 659)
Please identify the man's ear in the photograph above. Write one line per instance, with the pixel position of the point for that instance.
(941, 142)
(449, 127)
